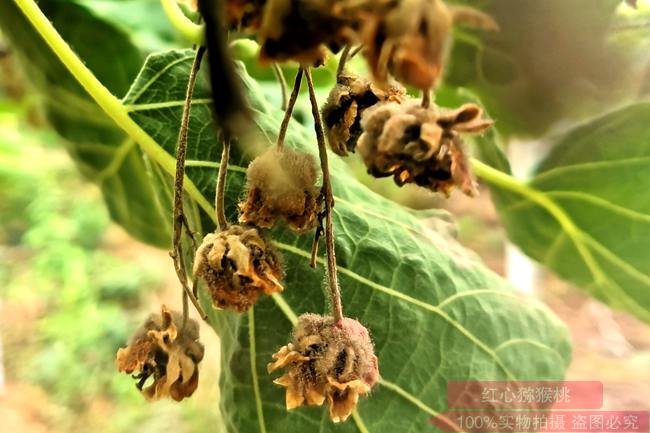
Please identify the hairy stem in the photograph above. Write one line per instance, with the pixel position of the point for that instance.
(220, 193)
(426, 98)
(356, 51)
(179, 220)
(287, 114)
(342, 60)
(279, 75)
(334, 291)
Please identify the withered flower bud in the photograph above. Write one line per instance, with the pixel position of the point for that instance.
(244, 15)
(162, 350)
(237, 265)
(410, 38)
(420, 145)
(327, 361)
(281, 184)
(301, 30)
(347, 101)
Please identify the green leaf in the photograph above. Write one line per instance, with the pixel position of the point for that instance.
(586, 213)
(100, 149)
(144, 21)
(435, 312)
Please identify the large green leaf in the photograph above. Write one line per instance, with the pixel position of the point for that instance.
(435, 312)
(101, 150)
(586, 211)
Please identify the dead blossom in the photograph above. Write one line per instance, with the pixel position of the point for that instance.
(281, 185)
(345, 105)
(326, 361)
(302, 30)
(410, 38)
(162, 350)
(237, 266)
(420, 145)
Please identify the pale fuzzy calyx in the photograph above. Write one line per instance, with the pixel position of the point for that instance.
(281, 185)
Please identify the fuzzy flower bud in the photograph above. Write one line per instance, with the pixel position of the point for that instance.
(160, 349)
(237, 265)
(281, 184)
(326, 361)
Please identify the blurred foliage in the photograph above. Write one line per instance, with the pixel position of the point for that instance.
(554, 61)
(102, 151)
(87, 299)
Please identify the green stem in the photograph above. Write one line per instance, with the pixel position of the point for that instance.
(194, 33)
(104, 98)
(505, 181)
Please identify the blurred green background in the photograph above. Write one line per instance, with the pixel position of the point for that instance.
(72, 288)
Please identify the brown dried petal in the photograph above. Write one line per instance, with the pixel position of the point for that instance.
(467, 118)
(343, 397)
(237, 266)
(134, 356)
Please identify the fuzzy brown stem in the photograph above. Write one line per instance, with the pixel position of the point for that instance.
(334, 291)
(356, 51)
(344, 58)
(287, 114)
(426, 98)
(179, 219)
(277, 70)
(220, 193)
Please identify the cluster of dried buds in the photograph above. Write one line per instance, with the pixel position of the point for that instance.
(330, 359)
(408, 39)
(238, 263)
(397, 136)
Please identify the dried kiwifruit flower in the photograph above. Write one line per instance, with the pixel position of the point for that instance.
(281, 184)
(301, 30)
(410, 38)
(420, 145)
(237, 265)
(165, 350)
(327, 361)
(347, 101)
(244, 15)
